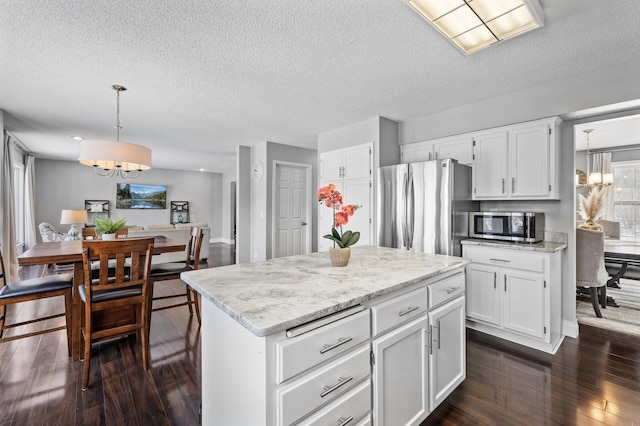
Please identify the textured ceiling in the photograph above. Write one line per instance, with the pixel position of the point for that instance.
(203, 77)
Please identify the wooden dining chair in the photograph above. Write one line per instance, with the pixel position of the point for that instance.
(116, 289)
(172, 271)
(35, 289)
(88, 233)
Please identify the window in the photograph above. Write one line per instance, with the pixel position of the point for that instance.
(18, 191)
(624, 198)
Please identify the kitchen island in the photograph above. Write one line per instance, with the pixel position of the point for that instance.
(295, 340)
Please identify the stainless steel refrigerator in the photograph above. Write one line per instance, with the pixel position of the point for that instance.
(424, 207)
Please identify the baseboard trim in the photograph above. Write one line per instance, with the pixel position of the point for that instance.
(570, 328)
(221, 240)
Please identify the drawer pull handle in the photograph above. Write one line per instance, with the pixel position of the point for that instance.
(345, 420)
(499, 260)
(452, 289)
(341, 341)
(408, 310)
(341, 381)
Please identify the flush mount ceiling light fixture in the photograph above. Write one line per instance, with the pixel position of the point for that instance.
(475, 24)
(115, 158)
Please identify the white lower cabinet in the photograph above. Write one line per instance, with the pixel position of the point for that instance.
(515, 295)
(401, 375)
(447, 361)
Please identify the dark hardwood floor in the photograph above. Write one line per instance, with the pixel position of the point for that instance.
(592, 380)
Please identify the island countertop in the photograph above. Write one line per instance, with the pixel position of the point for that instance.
(277, 294)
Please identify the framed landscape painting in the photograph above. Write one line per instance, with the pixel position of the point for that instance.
(133, 196)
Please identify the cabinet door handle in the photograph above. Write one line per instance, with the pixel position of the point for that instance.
(505, 283)
(503, 185)
(495, 280)
(341, 341)
(429, 345)
(436, 155)
(326, 390)
(407, 311)
(513, 185)
(429, 156)
(438, 327)
(344, 420)
(452, 289)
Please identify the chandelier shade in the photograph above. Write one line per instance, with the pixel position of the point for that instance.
(109, 155)
(115, 158)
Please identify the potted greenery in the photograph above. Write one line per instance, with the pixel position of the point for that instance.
(332, 198)
(106, 228)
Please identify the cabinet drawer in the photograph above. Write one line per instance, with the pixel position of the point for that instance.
(310, 392)
(519, 259)
(295, 355)
(388, 314)
(353, 406)
(446, 289)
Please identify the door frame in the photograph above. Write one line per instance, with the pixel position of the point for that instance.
(274, 187)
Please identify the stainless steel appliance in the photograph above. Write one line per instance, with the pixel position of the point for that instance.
(424, 207)
(507, 226)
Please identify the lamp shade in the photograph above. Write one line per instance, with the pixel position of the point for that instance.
(109, 155)
(70, 217)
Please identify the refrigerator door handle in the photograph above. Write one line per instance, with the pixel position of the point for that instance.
(404, 213)
(411, 216)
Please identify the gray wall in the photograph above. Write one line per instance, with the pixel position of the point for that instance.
(262, 194)
(65, 185)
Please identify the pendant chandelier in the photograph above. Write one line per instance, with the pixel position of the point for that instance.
(115, 158)
(598, 167)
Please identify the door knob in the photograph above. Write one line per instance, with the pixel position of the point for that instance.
(304, 223)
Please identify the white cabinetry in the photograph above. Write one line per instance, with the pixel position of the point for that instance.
(348, 163)
(418, 349)
(458, 147)
(515, 295)
(447, 362)
(390, 361)
(401, 375)
(350, 170)
(517, 162)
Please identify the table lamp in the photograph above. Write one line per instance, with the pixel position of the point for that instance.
(73, 217)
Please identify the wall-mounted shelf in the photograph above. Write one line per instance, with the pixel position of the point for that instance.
(96, 208)
(179, 212)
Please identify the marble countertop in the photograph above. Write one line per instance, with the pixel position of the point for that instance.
(542, 246)
(277, 294)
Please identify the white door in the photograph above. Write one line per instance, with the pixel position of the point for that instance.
(400, 375)
(291, 233)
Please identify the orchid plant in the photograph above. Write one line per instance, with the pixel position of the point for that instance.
(332, 198)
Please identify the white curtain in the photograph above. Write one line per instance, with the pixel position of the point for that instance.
(29, 202)
(9, 252)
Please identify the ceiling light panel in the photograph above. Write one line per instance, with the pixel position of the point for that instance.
(475, 24)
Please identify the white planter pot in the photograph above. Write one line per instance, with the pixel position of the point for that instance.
(108, 236)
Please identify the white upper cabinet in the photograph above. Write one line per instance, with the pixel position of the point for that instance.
(517, 162)
(348, 163)
(457, 147)
(350, 170)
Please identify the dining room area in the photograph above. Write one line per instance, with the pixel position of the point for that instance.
(42, 384)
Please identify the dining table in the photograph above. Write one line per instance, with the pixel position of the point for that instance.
(45, 253)
(624, 253)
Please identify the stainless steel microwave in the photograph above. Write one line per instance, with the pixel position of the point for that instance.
(507, 226)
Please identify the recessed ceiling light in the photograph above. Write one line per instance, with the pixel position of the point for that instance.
(77, 138)
(475, 24)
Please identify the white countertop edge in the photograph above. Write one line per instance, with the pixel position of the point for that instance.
(542, 246)
(322, 312)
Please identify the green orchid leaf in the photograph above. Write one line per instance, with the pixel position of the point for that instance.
(345, 236)
(335, 233)
(353, 238)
